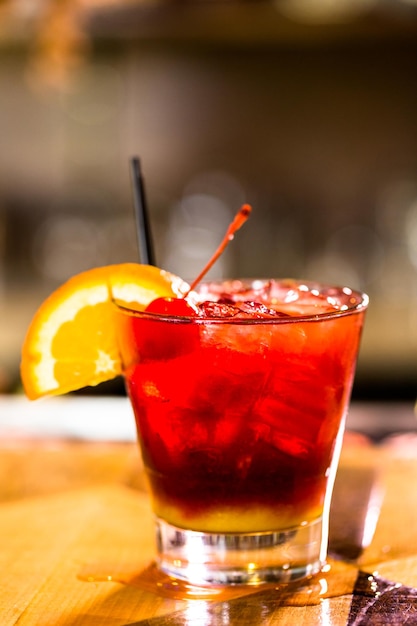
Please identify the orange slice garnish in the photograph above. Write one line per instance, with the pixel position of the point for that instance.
(72, 340)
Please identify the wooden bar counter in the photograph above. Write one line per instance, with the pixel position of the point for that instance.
(77, 540)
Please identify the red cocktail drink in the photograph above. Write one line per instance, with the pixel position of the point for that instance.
(240, 413)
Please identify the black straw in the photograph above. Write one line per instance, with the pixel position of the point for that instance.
(146, 253)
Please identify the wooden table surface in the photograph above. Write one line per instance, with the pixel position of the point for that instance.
(77, 543)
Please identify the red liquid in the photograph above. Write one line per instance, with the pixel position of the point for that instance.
(238, 419)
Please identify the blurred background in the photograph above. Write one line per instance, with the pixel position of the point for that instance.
(307, 109)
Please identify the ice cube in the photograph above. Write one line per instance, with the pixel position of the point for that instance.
(257, 310)
(217, 310)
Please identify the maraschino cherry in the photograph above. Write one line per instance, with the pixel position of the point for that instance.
(154, 340)
(171, 306)
(180, 306)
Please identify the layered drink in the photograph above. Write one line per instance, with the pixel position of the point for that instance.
(240, 403)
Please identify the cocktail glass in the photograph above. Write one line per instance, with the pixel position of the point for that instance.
(240, 414)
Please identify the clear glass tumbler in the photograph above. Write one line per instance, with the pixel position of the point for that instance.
(240, 422)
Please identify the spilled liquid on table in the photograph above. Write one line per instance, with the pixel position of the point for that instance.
(336, 579)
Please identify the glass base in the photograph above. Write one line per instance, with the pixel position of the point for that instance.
(240, 558)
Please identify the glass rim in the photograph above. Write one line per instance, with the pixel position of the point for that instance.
(358, 302)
